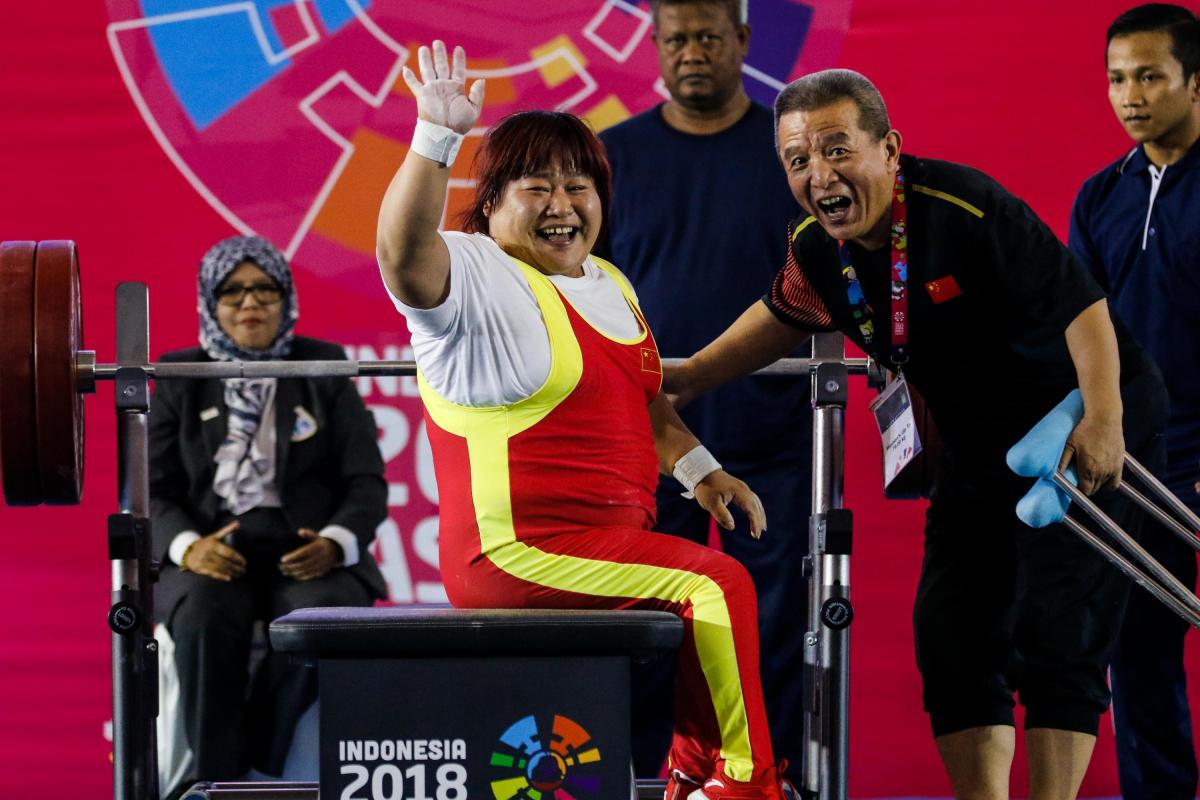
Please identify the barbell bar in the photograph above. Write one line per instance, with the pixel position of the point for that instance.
(354, 369)
(44, 372)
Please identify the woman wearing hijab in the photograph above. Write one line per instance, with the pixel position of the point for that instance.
(265, 494)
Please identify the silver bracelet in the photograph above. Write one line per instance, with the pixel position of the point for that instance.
(693, 467)
(436, 142)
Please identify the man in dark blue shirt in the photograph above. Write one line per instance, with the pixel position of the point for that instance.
(1136, 224)
(697, 221)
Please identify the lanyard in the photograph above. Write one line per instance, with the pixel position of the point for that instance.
(860, 310)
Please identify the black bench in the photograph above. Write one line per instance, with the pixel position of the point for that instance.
(458, 704)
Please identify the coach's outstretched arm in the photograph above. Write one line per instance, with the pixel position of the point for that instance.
(754, 340)
(412, 256)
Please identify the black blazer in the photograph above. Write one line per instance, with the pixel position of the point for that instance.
(332, 477)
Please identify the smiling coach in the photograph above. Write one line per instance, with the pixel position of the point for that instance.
(940, 273)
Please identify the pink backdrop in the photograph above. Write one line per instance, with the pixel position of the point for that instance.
(102, 143)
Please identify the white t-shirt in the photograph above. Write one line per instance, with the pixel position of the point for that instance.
(487, 344)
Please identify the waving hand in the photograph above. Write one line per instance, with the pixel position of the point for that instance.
(442, 96)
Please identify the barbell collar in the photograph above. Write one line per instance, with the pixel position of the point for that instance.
(85, 371)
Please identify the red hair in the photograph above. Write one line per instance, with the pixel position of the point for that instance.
(529, 143)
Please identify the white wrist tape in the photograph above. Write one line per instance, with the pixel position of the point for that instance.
(695, 465)
(436, 142)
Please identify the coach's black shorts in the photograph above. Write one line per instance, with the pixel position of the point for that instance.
(1002, 608)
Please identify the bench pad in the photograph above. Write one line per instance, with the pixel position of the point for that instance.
(399, 631)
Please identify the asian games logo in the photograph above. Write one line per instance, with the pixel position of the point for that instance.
(540, 763)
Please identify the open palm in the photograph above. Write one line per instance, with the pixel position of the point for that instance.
(442, 97)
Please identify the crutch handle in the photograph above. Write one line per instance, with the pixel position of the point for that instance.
(1045, 504)
(1038, 452)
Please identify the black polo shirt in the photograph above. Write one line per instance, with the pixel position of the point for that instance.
(991, 291)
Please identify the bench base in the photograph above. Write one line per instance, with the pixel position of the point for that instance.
(646, 790)
(527, 704)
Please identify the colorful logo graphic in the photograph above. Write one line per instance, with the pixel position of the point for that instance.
(532, 763)
(289, 116)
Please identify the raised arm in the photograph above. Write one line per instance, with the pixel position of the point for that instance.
(412, 256)
(755, 339)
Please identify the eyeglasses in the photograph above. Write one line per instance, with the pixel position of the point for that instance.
(267, 294)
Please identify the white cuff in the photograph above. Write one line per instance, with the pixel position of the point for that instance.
(347, 540)
(180, 544)
(693, 467)
(436, 142)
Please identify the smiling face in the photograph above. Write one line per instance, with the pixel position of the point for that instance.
(549, 220)
(839, 173)
(252, 323)
(700, 53)
(1148, 92)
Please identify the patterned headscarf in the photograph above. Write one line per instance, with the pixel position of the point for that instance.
(215, 267)
(242, 469)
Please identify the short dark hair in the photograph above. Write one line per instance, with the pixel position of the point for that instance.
(1177, 21)
(530, 142)
(735, 8)
(824, 88)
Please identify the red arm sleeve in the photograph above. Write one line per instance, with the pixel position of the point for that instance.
(794, 300)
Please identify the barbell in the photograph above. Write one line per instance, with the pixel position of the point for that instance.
(45, 372)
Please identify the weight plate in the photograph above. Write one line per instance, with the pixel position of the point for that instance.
(58, 334)
(18, 428)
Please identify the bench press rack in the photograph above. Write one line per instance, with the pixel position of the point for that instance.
(47, 373)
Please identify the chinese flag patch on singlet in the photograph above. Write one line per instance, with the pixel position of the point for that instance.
(943, 289)
(650, 362)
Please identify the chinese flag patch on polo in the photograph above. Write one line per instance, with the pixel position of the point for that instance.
(650, 362)
(943, 289)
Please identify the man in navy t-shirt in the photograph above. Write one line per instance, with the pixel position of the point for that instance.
(1136, 224)
(698, 222)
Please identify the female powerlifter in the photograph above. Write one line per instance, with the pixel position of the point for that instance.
(541, 384)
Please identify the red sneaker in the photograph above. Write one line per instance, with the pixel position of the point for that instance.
(681, 786)
(786, 790)
(767, 785)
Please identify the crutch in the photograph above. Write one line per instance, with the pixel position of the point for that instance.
(1037, 455)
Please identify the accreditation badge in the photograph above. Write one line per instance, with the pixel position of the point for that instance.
(897, 428)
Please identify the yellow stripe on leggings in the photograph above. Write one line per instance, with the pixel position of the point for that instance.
(710, 623)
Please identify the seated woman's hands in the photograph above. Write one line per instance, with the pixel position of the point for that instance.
(211, 557)
(312, 560)
(716, 491)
